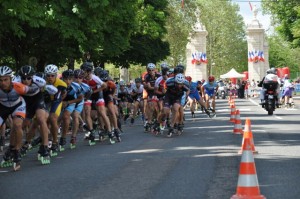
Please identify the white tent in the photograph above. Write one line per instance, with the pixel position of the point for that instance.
(232, 74)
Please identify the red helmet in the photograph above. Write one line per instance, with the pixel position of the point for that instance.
(189, 78)
(211, 78)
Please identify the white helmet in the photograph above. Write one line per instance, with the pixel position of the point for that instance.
(150, 66)
(51, 69)
(5, 71)
(122, 83)
(179, 78)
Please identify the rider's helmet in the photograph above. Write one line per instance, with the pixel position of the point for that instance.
(78, 73)
(98, 70)
(164, 68)
(5, 71)
(151, 66)
(272, 71)
(179, 78)
(211, 78)
(171, 71)
(188, 78)
(104, 75)
(87, 66)
(26, 71)
(138, 80)
(40, 74)
(179, 69)
(68, 74)
(51, 69)
(122, 83)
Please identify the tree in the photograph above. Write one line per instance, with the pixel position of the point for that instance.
(147, 42)
(286, 16)
(58, 31)
(227, 45)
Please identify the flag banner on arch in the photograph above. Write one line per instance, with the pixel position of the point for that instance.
(256, 56)
(199, 57)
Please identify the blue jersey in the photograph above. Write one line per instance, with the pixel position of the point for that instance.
(193, 87)
(86, 89)
(210, 87)
(73, 91)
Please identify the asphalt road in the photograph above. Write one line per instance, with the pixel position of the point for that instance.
(201, 163)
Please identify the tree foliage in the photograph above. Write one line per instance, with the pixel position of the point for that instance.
(286, 17)
(226, 42)
(60, 31)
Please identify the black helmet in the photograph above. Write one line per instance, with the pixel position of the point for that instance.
(179, 69)
(138, 80)
(98, 70)
(26, 71)
(68, 73)
(164, 68)
(104, 75)
(78, 73)
(87, 66)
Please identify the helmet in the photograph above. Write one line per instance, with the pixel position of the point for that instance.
(122, 83)
(26, 71)
(40, 74)
(272, 71)
(87, 66)
(211, 78)
(138, 80)
(179, 78)
(104, 75)
(97, 70)
(5, 71)
(164, 68)
(68, 74)
(179, 69)
(51, 69)
(189, 78)
(78, 73)
(151, 66)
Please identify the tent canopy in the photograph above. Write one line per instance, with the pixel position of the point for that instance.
(232, 74)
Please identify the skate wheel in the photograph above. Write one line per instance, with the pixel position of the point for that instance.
(112, 141)
(45, 160)
(91, 143)
(53, 153)
(39, 157)
(72, 146)
(61, 148)
(1, 148)
(16, 166)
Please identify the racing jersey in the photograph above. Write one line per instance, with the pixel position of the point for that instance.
(61, 87)
(13, 97)
(173, 90)
(73, 91)
(151, 79)
(193, 87)
(210, 87)
(95, 82)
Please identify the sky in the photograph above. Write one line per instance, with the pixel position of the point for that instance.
(247, 14)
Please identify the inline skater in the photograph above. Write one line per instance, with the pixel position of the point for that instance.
(173, 97)
(55, 104)
(137, 95)
(194, 97)
(160, 90)
(74, 95)
(36, 109)
(97, 85)
(209, 90)
(12, 103)
(151, 105)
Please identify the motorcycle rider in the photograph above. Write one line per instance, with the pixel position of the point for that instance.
(270, 77)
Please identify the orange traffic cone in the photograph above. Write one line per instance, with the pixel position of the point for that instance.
(229, 98)
(237, 123)
(232, 114)
(247, 187)
(248, 134)
(232, 102)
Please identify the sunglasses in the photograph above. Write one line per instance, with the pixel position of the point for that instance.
(26, 78)
(50, 75)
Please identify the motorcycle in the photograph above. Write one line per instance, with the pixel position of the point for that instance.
(270, 96)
